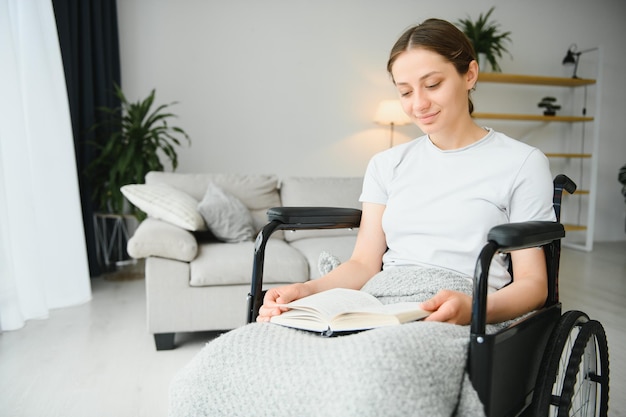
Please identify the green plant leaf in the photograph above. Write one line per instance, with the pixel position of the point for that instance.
(130, 142)
(486, 37)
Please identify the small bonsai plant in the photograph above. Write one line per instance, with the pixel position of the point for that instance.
(131, 140)
(549, 103)
(486, 38)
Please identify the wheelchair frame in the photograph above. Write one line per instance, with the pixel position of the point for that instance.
(556, 364)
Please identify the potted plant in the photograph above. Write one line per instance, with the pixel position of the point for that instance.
(486, 38)
(131, 141)
(550, 106)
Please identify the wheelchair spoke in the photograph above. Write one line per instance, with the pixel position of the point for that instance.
(557, 388)
(585, 397)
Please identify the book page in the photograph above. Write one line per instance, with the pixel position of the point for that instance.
(333, 302)
(341, 309)
(383, 315)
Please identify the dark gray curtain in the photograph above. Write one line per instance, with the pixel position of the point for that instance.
(88, 36)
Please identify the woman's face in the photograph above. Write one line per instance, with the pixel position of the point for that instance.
(432, 92)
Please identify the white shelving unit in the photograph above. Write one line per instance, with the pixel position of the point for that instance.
(578, 131)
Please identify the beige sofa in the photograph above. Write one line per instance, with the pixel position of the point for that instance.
(199, 253)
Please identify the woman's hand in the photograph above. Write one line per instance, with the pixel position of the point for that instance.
(526, 293)
(449, 307)
(280, 295)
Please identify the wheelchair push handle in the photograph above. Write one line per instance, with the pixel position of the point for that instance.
(561, 182)
(565, 183)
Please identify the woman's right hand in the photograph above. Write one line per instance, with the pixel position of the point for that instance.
(280, 295)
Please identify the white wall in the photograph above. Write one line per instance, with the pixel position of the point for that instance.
(290, 86)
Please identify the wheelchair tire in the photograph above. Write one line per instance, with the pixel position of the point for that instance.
(583, 379)
(551, 380)
(554, 362)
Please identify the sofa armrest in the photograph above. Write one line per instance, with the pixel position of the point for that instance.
(156, 237)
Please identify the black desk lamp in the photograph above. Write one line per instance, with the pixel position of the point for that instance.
(573, 55)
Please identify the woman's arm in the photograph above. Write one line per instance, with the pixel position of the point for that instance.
(365, 262)
(527, 292)
(367, 256)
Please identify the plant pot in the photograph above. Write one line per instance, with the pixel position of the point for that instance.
(483, 63)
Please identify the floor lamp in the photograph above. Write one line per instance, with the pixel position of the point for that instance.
(390, 113)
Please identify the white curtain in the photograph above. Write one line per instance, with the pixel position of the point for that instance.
(43, 259)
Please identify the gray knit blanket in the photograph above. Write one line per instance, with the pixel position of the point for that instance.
(262, 369)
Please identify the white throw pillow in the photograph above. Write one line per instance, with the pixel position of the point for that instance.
(156, 237)
(226, 216)
(166, 203)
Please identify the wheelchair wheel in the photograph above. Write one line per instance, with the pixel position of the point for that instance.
(573, 377)
(587, 373)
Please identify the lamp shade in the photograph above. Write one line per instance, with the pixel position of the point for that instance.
(390, 112)
(569, 58)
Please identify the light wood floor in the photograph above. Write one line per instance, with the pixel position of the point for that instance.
(97, 360)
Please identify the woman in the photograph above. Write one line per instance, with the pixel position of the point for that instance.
(427, 208)
(431, 202)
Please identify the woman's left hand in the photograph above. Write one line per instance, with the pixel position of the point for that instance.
(449, 307)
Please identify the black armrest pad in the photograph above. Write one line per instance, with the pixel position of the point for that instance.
(316, 217)
(514, 236)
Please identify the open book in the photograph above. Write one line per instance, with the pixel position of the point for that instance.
(345, 310)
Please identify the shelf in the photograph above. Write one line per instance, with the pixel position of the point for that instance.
(568, 155)
(496, 77)
(585, 160)
(532, 117)
(574, 227)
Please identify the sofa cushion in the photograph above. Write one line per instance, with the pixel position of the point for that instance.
(321, 192)
(226, 216)
(311, 248)
(257, 192)
(231, 263)
(167, 203)
(155, 237)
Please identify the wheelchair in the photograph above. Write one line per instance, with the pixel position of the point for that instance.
(548, 363)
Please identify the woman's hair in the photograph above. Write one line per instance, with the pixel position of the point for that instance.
(441, 37)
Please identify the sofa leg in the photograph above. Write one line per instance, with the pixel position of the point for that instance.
(164, 341)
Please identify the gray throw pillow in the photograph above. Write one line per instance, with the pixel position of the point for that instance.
(225, 215)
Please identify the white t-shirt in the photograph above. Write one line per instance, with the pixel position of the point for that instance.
(440, 205)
